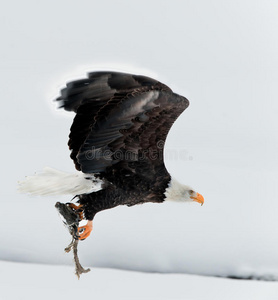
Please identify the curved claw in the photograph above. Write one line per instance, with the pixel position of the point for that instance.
(82, 232)
(85, 231)
(78, 209)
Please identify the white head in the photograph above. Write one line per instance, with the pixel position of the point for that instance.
(182, 193)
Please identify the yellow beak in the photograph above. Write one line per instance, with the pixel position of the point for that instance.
(199, 198)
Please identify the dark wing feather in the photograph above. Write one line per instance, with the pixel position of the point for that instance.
(100, 87)
(120, 118)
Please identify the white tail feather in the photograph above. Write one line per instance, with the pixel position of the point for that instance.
(52, 182)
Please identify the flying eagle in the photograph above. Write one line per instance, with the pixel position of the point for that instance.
(116, 141)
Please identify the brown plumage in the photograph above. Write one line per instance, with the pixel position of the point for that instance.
(118, 134)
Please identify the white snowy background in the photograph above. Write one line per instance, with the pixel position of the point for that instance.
(221, 55)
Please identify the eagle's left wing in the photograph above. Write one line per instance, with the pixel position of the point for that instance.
(129, 127)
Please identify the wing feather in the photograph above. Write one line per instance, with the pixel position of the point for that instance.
(120, 118)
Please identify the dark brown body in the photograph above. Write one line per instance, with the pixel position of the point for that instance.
(125, 189)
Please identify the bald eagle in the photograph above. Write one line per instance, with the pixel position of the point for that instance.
(116, 141)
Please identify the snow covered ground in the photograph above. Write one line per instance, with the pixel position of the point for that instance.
(31, 281)
(221, 55)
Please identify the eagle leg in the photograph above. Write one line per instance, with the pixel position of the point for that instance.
(85, 231)
(82, 231)
(78, 209)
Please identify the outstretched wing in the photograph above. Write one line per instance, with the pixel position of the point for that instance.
(120, 118)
